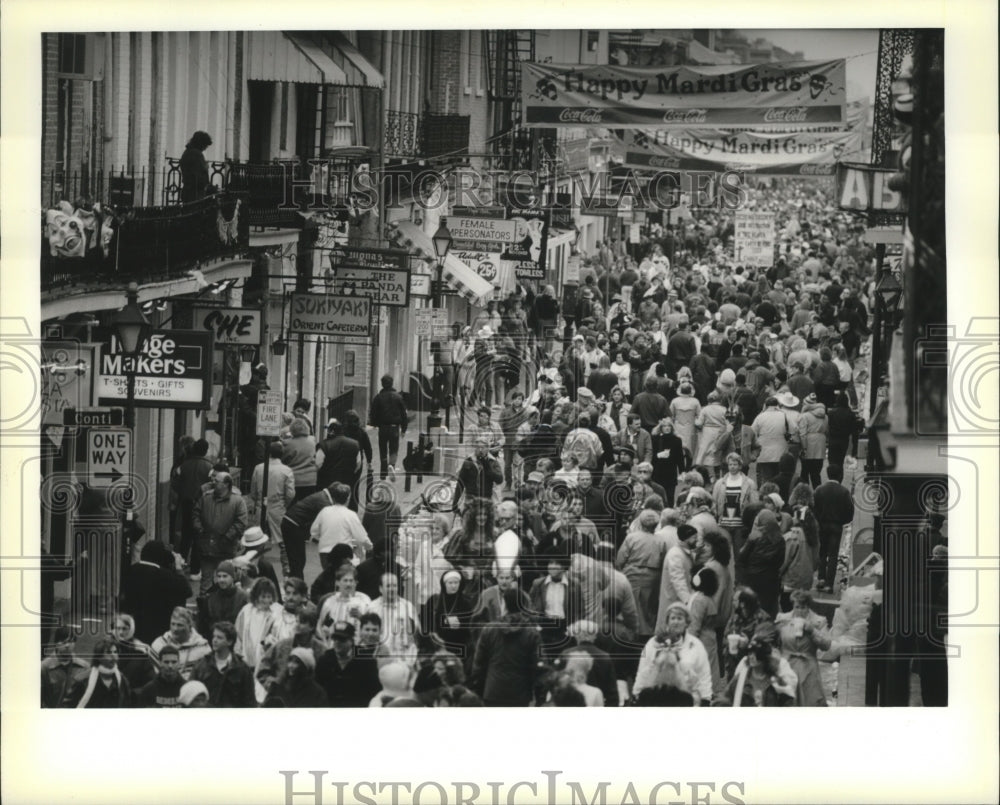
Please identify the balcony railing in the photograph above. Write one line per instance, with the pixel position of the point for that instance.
(402, 134)
(144, 244)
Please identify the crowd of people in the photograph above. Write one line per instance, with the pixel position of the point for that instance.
(650, 497)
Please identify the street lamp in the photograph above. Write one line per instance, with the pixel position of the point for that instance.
(132, 329)
(889, 292)
(442, 244)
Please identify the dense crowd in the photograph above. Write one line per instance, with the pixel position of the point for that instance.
(648, 500)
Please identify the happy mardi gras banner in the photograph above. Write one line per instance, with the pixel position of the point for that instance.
(799, 154)
(803, 94)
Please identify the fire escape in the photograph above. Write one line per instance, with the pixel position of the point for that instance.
(514, 146)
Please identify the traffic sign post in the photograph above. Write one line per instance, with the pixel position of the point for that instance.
(109, 455)
(94, 417)
(268, 426)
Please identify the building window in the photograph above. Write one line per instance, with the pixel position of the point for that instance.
(593, 39)
(349, 360)
(465, 59)
(72, 53)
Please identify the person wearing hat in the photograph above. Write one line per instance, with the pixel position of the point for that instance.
(770, 428)
(446, 617)
(396, 683)
(151, 588)
(253, 563)
(224, 600)
(219, 519)
(280, 495)
(193, 694)
(296, 686)
(227, 679)
(790, 410)
(348, 678)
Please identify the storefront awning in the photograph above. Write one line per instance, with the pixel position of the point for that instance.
(462, 278)
(308, 58)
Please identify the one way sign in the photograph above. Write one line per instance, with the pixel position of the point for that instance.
(109, 455)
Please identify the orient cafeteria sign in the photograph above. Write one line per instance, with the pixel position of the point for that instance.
(330, 315)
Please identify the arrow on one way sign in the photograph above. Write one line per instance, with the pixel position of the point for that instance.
(109, 455)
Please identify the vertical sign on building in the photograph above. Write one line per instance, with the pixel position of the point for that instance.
(754, 238)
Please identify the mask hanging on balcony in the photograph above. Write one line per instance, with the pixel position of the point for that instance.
(228, 229)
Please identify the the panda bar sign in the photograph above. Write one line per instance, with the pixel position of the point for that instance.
(330, 315)
(173, 370)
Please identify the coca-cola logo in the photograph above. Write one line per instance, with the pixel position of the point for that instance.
(786, 114)
(815, 170)
(685, 116)
(580, 116)
(664, 162)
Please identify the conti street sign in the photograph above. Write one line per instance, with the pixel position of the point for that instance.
(94, 417)
(109, 455)
(173, 371)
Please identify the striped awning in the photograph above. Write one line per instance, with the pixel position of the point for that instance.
(462, 278)
(308, 58)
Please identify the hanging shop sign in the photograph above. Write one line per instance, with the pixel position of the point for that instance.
(330, 315)
(528, 251)
(481, 229)
(240, 325)
(485, 264)
(174, 370)
(66, 379)
(420, 285)
(753, 237)
(358, 257)
(384, 286)
(865, 188)
(769, 154)
(803, 94)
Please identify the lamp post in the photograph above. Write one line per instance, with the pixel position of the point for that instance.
(442, 244)
(132, 329)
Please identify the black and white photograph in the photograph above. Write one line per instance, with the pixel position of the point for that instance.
(360, 362)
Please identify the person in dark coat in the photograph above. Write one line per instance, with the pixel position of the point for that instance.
(602, 673)
(350, 679)
(165, 688)
(761, 558)
(107, 686)
(388, 414)
(223, 601)
(64, 675)
(446, 616)
(842, 431)
(668, 458)
(297, 686)
(187, 481)
(194, 169)
(506, 665)
(151, 589)
(337, 458)
(229, 680)
(353, 430)
(134, 656)
(833, 507)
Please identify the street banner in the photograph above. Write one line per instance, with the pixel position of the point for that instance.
(754, 238)
(229, 325)
(865, 188)
(801, 94)
(384, 286)
(174, 370)
(330, 315)
(763, 153)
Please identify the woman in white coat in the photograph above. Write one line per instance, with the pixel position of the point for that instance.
(694, 670)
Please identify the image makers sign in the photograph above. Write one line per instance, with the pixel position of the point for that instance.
(173, 371)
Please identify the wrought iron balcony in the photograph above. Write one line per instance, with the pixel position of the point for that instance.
(402, 134)
(82, 246)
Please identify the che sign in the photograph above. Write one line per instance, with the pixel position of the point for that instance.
(268, 413)
(229, 325)
(109, 453)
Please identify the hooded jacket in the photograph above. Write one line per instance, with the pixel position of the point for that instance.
(812, 430)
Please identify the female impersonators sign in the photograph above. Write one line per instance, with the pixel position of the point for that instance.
(802, 94)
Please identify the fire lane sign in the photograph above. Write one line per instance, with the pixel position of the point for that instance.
(268, 413)
(109, 455)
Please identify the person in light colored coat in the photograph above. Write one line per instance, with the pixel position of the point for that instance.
(769, 428)
(675, 584)
(813, 428)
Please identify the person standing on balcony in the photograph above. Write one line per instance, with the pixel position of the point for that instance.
(194, 169)
(388, 414)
